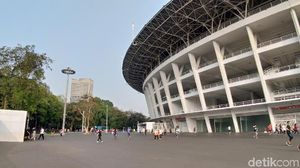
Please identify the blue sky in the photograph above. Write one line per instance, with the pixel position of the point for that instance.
(91, 36)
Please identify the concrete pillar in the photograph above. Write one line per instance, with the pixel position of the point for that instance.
(296, 22)
(235, 122)
(272, 119)
(151, 92)
(167, 90)
(157, 91)
(149, 105)
(207, 122)
(191, 124)
(197, 79)
(220, 55)
(179, 87)
(253, 42)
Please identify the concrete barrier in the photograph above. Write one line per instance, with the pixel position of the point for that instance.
(12, 125)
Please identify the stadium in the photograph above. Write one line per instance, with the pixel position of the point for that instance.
(204, 65)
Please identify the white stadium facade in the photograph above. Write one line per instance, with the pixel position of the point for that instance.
(204, 65)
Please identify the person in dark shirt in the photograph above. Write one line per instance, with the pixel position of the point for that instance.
(289, 134)
(99, 136)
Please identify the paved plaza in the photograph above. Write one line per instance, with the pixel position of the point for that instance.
(75, 150)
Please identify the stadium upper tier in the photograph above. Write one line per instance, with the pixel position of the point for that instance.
(179, 24)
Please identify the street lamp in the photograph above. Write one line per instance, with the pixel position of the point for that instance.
(67, 71)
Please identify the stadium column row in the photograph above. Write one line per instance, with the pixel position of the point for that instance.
(153, 96)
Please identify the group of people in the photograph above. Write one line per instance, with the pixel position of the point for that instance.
(114, 132)
(158, 133)
(282, 129)
(30, 134)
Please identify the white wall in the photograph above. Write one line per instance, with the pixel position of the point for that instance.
(12, 125)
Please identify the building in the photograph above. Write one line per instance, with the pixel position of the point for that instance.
(206, 65)
(80, 88)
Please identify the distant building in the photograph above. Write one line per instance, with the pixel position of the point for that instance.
(81, 87)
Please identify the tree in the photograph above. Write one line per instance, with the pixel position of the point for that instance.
(20, 69)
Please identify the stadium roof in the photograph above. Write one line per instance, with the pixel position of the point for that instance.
(179, 24)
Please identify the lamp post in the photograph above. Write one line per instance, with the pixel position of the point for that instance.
(67, 71)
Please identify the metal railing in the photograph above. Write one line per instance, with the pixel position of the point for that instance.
(174, 96)
(253, 101)
(217, 106)
(245, 77)
(238, 52)
(208, 63)
(278, 39)
(191, 91)
(186, 72)
(281, 69)
(220, 83)
(164, 99)
(286, 91)
(223, 25)
(287, 97)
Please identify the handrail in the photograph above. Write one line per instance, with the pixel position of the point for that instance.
(213, 85)
(208, 63)
(286, 91)
(217, 106)
(164, 99)
(186, 72)
(175, 95)
(223, 25)
(190, 91)
(245, 77)
(281, 69)
(278, 39)
(253, 101)
(287, 97)
(238, 52)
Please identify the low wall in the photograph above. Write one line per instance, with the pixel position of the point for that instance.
(12, 125)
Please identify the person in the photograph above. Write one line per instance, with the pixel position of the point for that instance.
(33, 134)
(99, 139)
(229, 129)
(280, 128)
(128, 133)
(156, 134)
(284, 128)
(115, 133)
(177, 132)
(289, 134)
(145, 131)
(61, 132)
(277, 129)
(298, 147)
(42, 132)
(255, 129)
(295, 129)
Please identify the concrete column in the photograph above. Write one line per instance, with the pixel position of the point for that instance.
(150, 108)
(296, 22)
(235, 122)
(207, 122)
(191, 124)
(197, 79)
(253, 42)
(179, 87)
(156, 87)
(167, 90)
(151, 92)
(220, 55)
(272, 119)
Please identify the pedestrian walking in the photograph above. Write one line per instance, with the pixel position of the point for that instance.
(295, 129)
(229, 129)
(177, 131)
(255, 129)
(289, 134)
(128, 133)
(42, 132)
(99, 139)
(115, 133)
(156, 134)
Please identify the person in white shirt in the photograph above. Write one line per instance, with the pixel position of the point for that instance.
(42, 132)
